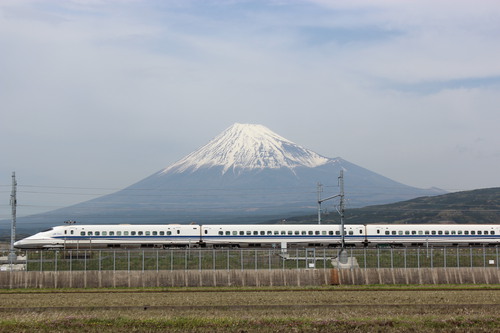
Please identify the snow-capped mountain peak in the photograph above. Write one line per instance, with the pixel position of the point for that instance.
(248, 146)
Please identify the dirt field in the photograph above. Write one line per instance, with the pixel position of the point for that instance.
(252, 310)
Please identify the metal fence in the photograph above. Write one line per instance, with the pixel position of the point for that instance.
(255, 259)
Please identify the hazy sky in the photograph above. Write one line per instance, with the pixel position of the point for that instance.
(96, 95)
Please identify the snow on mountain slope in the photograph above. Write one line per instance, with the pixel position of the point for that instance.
(248, 146)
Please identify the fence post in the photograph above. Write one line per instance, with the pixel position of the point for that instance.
(378, 257)
(392, 258)
(364, 255)
(213, 259)
(444, 255)
(70, 260)
(418, 257)
(269, 259)
(405, 256)
(497, 255)
(241, 259)
(128, 260)
(114, 260)
(256, 259)
(171, 260)
(227, 254)
(432, 256)
(470, 251)
(100, 263)
(484, 256)
(199, 259)
(458, 257)
(55, 260)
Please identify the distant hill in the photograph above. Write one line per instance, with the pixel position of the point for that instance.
(475, 207)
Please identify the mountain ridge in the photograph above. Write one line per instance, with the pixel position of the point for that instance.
(246, 174)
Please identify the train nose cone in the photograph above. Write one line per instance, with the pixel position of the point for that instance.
(19, 244)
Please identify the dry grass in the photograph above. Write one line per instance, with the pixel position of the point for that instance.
(326, 310)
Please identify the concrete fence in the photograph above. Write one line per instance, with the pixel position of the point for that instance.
(228, 278)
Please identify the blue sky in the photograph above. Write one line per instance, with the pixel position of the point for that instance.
(98, 94)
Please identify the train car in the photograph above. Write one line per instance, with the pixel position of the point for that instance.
(105, 236)
(281, 235)
(421, 234)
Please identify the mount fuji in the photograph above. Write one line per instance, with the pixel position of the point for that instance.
(246, 174)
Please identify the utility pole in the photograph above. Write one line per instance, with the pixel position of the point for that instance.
(341, 207)
(13, 203)
(320, 189)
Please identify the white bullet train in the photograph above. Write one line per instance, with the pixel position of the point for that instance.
(255, 235)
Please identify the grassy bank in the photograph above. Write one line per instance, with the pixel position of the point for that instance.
(260, 310)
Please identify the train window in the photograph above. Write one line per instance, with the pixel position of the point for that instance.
(290, 232)
(104, 233)
(89, 233)
(331, 232)
(323, 232)
(394, 232)
(125, 233)
(133, 233)
(269, 232)
(148, 233)
(492, 232)
(317, 232)
(178, 232)
(169, 233)
(473, 232)
(310, 232)
(283, 232)
(140, 233)
(235, 233)
(82, 233)
(256, 233)
(228, 233)
(466, 232)
(459, 232)
(378, 231)
(433, 232)
(337, 232)
(351, 232)
(453, 232)
(426, 232)
(446, 232)
(420, 232)
(97, 233)
(221, 233)
(440, 232)
(297, 232)
(162, 233)
(486, 232)
(119, 233)
(413, 232)
(155, 233)
(65, 232)
(304, 233)
(111, 233)
(407, 232)
(249, 233)
(387, 232)
(479, 232)
(262, 233)
(276, 232)
(242, 233)
(400, 232)
(72, 232)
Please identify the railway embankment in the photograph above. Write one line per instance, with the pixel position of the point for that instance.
(248, 278)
